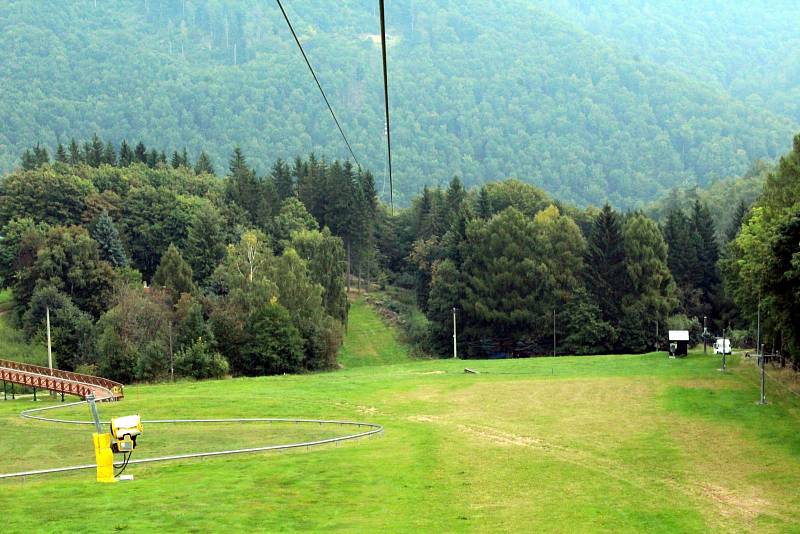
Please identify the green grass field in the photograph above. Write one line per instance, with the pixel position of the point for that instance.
(575, 444)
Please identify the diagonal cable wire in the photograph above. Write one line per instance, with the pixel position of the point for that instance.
(386, 103)
(296, 40)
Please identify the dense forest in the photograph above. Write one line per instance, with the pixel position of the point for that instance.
(616, 101)
(152, 265)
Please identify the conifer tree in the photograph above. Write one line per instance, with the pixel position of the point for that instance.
(606, 275)
(162, 158)
(61, 154)
(679, 234)
(484, 205)
(282, 178)
(174, 273)
(94, 151)
(74, 152)
(245, 189)
(140, 153)
(40, 155)
(110, 155)
(108, 241)
(707, 255)
(736, 222)
(203, 165)
(184, 157)
(152, 158)
(205, 241)
(28, 160)
(125, 154)
(175, 161)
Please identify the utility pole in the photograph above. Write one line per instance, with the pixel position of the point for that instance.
(455, 342)
(171, 355)
(657, 343)
(758, 328)
(49, 344)
(763, 399)
(705, 336)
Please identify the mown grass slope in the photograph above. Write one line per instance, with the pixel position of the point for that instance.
(608, 443)
(369, 341)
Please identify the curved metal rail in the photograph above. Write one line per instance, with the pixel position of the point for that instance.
(372, 429)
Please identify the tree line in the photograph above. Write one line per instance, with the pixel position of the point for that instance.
(530, 275)
(154, 267)
(230, 258)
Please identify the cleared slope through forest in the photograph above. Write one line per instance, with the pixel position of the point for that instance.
(369, 341)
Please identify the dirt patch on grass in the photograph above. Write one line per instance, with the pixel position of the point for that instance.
(424, 418)
(504, 438)
(730, 503)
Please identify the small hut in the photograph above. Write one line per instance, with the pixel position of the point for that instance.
(678, 343)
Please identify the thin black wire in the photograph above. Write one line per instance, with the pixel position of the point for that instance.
(300, 46)
(124, 465)
(386, 104)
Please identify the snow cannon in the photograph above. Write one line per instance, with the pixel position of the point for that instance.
(124, 431)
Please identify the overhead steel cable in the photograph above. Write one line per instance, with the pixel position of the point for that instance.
(386, 104)
(319, 85)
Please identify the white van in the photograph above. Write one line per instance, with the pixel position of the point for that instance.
(718, 346)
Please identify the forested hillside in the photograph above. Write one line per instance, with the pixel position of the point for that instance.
(481, 90)
(746, 48)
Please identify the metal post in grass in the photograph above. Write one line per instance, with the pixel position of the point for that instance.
(705, 336)
(758, 327)
(724, 352)
(763, 399)
(455, 341)
(657, 335)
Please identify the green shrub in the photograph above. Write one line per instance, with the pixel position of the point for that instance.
(196, 360)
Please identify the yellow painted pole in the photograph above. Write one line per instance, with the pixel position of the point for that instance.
(104, 457)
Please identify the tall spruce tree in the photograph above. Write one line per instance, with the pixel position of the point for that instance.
(707, 256)
(94, 151)
(205, 241)
(282, 178)
(739, 216)
(682, 240)
(126, 155)
(152, 158)
(61, 154)
(109, 244)
(75, 156)
(109, 155)
(243, 187)
(174, 273)
(606, 274)
(140, 153)
(203, 165)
